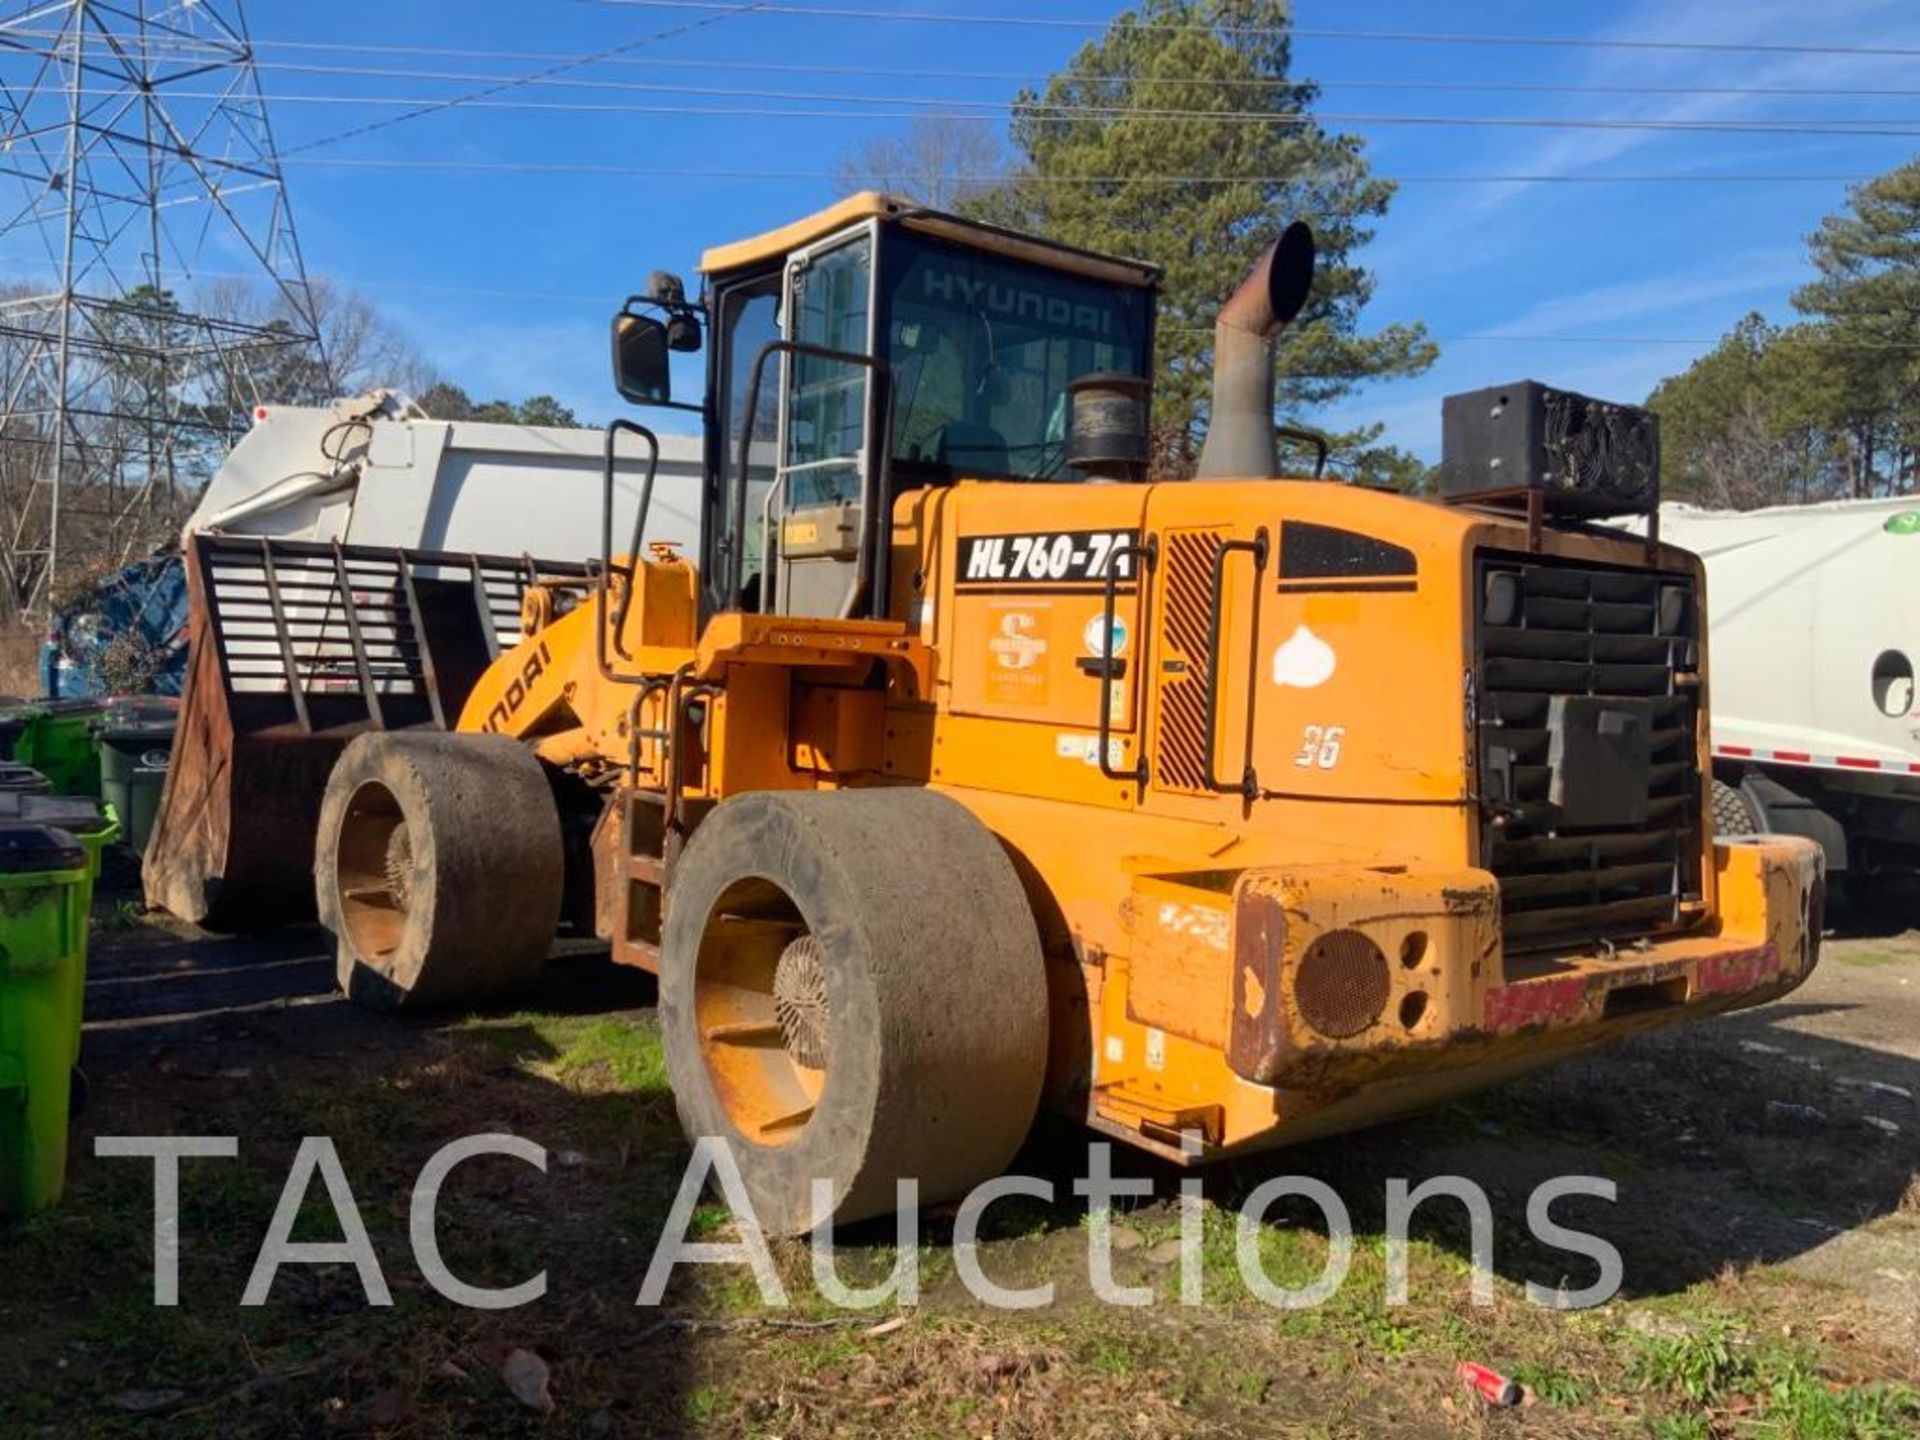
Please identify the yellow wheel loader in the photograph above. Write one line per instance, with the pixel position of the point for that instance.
(969, 768)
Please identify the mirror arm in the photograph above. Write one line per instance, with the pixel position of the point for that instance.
(691, 309)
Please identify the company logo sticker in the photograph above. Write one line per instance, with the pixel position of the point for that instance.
(1017, 639)
(1106, 643)
(1017, 647)
(1304, 661)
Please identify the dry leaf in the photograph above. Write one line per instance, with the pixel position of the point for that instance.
(528, 1377)
(145, 1402)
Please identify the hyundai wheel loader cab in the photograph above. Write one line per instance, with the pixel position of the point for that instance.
(876, 351)
(966, 764)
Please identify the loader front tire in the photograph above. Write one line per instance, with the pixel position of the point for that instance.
(438, 867)
(852, 990)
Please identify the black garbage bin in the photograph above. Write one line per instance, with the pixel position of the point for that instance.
(14, 718)
(136, 746)
(16, 779)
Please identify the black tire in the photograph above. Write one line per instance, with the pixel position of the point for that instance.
(438, 867)
(1733, 812)
(927, 1051)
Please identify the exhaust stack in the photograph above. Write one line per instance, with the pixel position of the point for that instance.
(1240, 441)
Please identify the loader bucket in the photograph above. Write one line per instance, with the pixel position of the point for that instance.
(294, 648)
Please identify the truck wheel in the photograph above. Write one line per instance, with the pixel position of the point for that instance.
(852, 989)
(1734, 813)
(438, 868)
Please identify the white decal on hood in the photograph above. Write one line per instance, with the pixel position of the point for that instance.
(1303, 661)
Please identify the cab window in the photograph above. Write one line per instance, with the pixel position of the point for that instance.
(982, 348)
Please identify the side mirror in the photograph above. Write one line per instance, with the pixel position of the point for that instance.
(641, 345)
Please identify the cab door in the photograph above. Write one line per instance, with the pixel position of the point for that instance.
(815, 518)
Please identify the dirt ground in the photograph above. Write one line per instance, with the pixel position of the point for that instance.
(1767, 1211)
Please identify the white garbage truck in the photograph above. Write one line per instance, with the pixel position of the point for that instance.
(1813, 630)
(356, 567)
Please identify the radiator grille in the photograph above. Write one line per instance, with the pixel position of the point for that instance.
(1547, 629)
(1180, 753)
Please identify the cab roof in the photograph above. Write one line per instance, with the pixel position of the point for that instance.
(872, 205)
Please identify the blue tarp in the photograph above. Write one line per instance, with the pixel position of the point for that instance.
(128, 635)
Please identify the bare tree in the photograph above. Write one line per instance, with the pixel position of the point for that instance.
(364, 351)
(1749, 464)
(942, 163)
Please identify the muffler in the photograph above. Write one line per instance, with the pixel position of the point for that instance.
(1240, 441)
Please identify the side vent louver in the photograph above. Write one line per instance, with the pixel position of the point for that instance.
(1180, 756)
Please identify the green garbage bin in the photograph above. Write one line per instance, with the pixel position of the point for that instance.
(136, 746)
(59, 742)
(43, 942)
(91, 823)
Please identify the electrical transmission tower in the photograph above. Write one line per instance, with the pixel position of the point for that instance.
(151, 288)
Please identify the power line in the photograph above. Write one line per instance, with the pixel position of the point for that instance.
(1406, 37)
(994, 111)
(577, 168)
(480, 96)
(993, 108)
(1010, 77)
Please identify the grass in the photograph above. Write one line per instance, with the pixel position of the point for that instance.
(1750, 1350)
(619, 1054)
(1766, 1388)
(1861, 959)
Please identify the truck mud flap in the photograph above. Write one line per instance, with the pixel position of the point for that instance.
(294, 648)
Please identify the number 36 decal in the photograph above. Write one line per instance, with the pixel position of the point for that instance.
(1320, 747)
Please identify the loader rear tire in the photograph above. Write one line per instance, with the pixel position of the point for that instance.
(438, 867)
(852, 989)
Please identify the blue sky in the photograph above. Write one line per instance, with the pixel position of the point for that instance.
(505, 277)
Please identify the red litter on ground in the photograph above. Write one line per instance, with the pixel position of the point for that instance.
(1490, 1385)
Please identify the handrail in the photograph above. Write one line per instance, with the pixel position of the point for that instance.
(631, 569)
(1248, 785)
(1322, 447)
(1149, 552)
(870, 471)
(648, 686)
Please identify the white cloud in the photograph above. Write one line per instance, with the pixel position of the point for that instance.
(1675, 300)
(1731, 22)
(1542, 259)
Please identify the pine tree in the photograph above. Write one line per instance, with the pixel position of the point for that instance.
(1123, 153)
(1868, 301)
